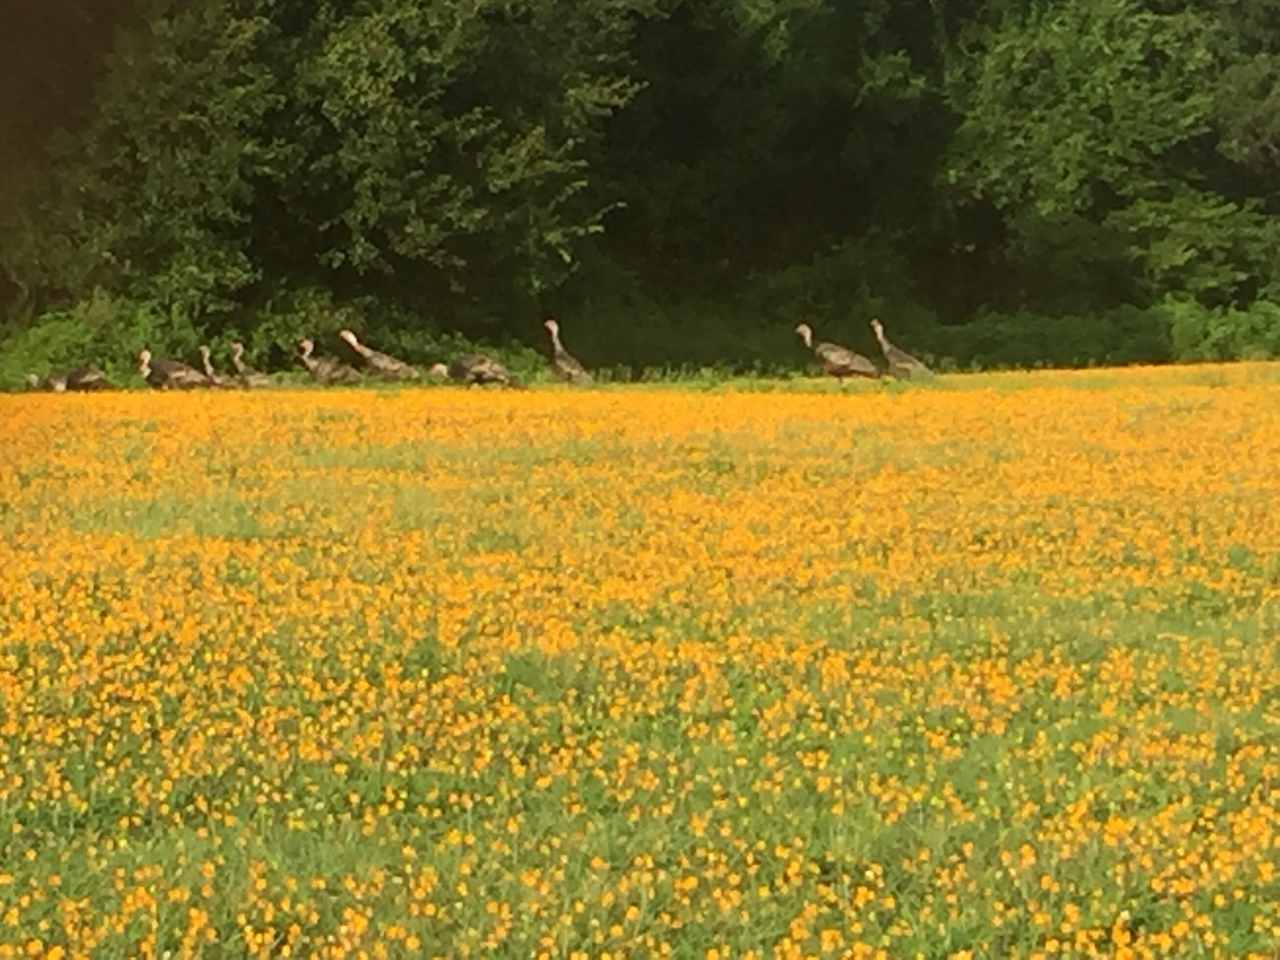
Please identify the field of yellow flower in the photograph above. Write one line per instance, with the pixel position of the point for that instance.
(988, 667)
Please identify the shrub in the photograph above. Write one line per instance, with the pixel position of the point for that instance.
(1233, 333)
(101, 330)
(1125, 335)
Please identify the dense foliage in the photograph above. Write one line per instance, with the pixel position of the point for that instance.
(1084, 181)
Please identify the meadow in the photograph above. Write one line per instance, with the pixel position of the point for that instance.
(984, 667)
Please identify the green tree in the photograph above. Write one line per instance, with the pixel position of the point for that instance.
(387, 147)
(769, 131)
(721, 164)
(1100, 118)
(151, 197)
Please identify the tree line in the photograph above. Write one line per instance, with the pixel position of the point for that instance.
(1001, 181)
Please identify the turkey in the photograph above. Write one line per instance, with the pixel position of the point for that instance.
(566, 364)
(169, 374)
(86, 378)
(380, 363)
(81, 378)
(476, 368)
(325, 369)
(247, 376)
(214, 379)
(838, 361)
(55, 382)
(901, 363)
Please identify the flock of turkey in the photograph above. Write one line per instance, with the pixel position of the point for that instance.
(470, 368)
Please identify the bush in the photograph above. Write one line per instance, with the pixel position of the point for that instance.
(101, 330)
(747, 325)
(274, 331)
(1126, 335)
(109, 332)
(628, 336)
(1234, 333)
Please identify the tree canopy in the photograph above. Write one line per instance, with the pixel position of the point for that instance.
(467, 165)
